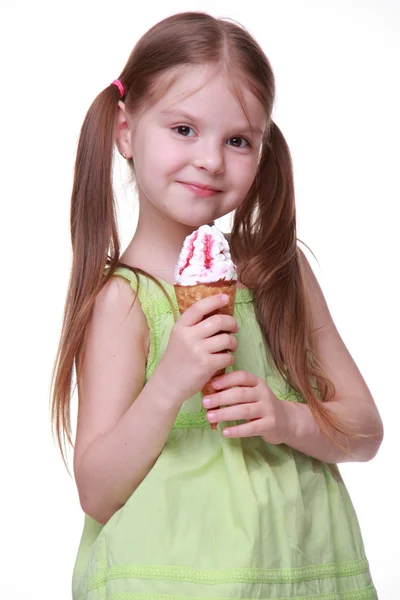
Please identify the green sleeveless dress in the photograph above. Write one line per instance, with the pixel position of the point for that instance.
(220, 518)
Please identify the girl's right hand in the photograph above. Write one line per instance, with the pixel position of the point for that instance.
(197, 348)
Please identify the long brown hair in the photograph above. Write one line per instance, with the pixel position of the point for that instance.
(264, 229)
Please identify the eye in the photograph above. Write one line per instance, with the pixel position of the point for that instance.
(183, 130)
(237, 142)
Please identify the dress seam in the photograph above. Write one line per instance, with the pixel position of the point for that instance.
(368, 593)
(238, 575)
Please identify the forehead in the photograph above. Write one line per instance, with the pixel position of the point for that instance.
(208, 91)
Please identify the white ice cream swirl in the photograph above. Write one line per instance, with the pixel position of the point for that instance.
(205, 257)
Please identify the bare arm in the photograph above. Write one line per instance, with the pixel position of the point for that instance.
(352, 402)
(122, 426)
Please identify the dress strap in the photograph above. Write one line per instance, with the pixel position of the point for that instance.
(155, 306)
(155, 295)
(132, 277)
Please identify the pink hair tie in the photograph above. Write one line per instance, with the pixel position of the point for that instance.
(119, 86)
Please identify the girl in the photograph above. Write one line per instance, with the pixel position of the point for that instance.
(174, 510)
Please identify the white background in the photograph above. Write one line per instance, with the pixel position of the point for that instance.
(337, 73)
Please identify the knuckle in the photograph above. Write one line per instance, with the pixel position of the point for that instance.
(273, 420)
(185, 338)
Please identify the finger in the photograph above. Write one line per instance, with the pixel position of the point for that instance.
(197, 311)
(236, 378)
(223, 360)
(217, 323)
(250, 429)
(221, 342)
(238, 395)
(238, 412)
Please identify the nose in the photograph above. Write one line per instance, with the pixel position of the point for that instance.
(209, 156)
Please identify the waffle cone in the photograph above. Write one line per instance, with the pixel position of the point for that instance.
(186, 295)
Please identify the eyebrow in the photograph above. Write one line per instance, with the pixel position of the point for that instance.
(181, 113)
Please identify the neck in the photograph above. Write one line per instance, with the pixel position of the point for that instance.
(156, 244)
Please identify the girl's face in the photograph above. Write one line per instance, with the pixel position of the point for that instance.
(195, 153)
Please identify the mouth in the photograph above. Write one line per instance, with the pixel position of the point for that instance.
(200, 186)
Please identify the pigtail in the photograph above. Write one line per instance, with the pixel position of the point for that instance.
(95, 242)
(264, 240)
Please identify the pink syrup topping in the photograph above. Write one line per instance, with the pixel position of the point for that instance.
(208, 245)
(190, 252)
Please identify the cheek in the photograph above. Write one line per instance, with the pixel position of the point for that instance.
(244, 173)
(167, 156)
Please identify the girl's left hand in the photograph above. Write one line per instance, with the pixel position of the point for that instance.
(253, 401)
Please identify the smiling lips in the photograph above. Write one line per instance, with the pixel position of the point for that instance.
(200, 189)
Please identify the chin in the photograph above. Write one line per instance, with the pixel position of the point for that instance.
(194, 220)
(196, 223)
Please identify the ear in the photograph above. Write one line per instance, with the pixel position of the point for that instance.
(123, 132)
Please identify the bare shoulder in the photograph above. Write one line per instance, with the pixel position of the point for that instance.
(113, 364)
(116, 295)
(117, 311)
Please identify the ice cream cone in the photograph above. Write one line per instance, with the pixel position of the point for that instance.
(205, 268)
(186, 295)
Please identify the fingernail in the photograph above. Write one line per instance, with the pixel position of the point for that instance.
(224, 297)
(216, 384)
(206, 402)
